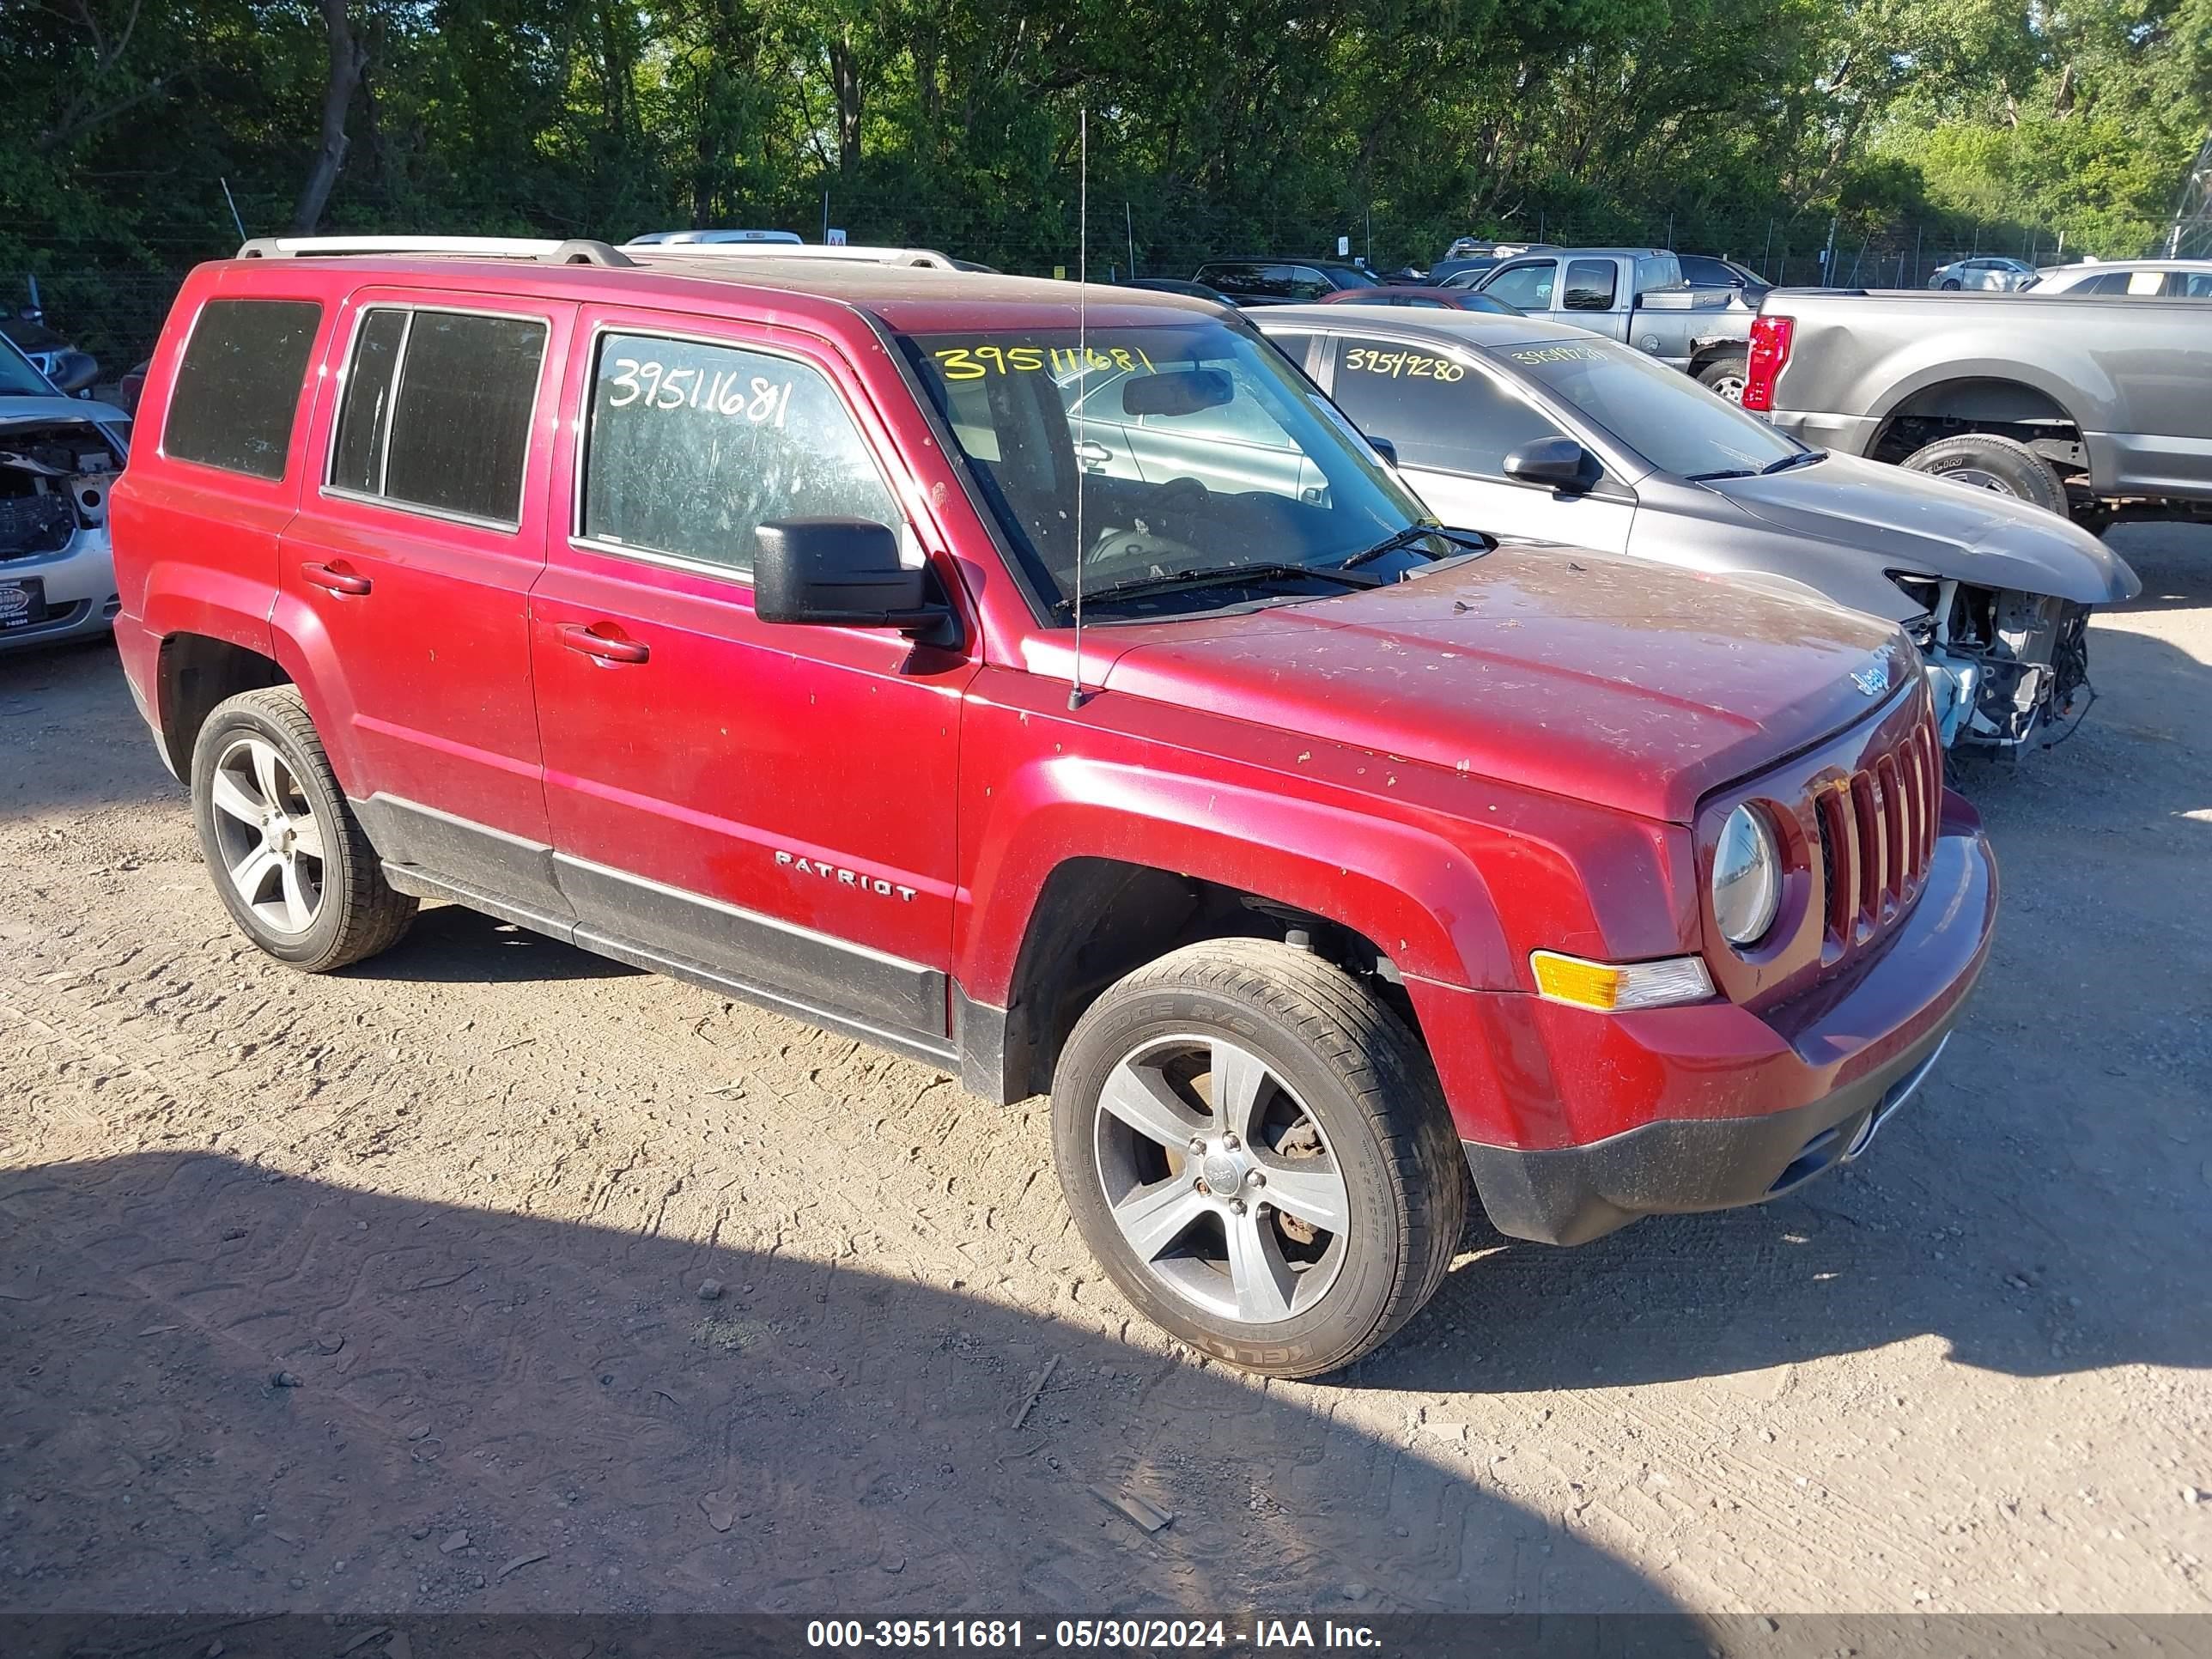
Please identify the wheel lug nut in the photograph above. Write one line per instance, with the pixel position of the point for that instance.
(1199, 1184)
(1237, 1206)
(1259, 1179)
(1229, 1142)
(1198, 1145)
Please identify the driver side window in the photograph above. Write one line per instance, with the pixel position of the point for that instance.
(1529, 286)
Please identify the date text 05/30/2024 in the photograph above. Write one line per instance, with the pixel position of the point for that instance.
(1164, 1635)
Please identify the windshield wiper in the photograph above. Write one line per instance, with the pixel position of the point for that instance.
(1802, 458)
(1725, 472)
(1405, 538)
(1219, 575)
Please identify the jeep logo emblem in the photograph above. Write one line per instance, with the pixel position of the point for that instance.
(1872, 679)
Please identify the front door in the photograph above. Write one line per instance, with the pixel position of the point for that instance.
(1454, 423)
(769, 807)
(408, 569)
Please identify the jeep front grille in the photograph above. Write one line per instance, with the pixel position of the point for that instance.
(1878, 827)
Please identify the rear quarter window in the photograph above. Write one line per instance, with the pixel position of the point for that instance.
(237, 391)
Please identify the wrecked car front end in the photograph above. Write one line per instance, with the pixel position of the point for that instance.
(57, 458)
(2007, 668)
(1996, 593)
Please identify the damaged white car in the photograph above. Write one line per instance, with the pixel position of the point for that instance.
(58, 456)
(1525, 428)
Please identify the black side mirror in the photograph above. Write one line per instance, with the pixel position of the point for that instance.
(1385, 448)
(1555, 463)
(73, 371)
(843, 572)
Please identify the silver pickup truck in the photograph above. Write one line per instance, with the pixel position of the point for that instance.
(2093, 405)
(1639, 296)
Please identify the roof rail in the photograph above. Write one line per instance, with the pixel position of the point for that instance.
(576, 250)
(925, 256)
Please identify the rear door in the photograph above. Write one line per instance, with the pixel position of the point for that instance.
(408, 569)
(771, 807)
(1454, 421)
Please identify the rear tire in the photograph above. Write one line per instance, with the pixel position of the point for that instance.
(1257, 1152)
(290, 862)
(1725, 377)
(1990, 461)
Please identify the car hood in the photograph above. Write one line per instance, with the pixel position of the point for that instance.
(49, 411)
(1926, 526)
(1598, 678)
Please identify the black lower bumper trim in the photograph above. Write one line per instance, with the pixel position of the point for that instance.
(1571, 1195)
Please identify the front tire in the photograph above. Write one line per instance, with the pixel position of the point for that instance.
(1257, 1151)
(1988, 460)
(290, 862)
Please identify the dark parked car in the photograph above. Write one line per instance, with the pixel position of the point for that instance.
(1176, 285)
(1279, 282)
(1422, 297)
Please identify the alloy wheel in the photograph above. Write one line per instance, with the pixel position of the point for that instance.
(1223, 1185)
(271, 842)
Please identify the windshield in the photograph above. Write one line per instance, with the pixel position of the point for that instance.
(1200, 449)
(1659, 412)
(18, 379)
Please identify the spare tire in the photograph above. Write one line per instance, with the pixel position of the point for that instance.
(1991, 461)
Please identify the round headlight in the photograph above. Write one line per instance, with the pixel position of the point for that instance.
(1747, 878)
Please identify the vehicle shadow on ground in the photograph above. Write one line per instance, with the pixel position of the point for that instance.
(452, 945)
(2173, 560)
(107, 758)
(225, 1390)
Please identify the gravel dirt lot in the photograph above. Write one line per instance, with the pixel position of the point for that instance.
(396, 1290)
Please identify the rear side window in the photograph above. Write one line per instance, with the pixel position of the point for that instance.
(1293, 345)
(1590, 284)
(691, 447)
(437, 412)
(1413, 397)
(1438, 411)
(238, 387)
(366, 414)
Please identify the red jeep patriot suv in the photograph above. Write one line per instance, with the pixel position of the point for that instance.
(721, 616)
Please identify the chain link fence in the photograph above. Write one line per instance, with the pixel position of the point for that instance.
(116, 314)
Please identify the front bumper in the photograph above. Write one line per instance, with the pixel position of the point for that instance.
(78, 581)
(1571, 1195)
(1575, 1123)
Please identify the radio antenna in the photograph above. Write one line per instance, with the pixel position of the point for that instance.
(1075, 691)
